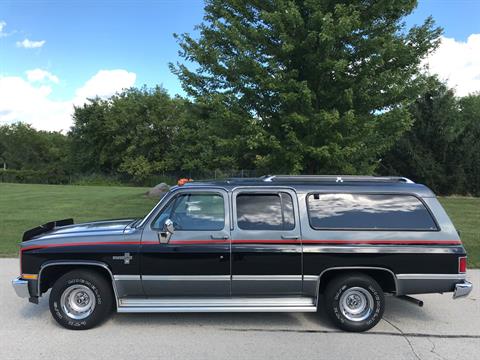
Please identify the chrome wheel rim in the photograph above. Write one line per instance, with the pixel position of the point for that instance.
(356, 304)
(78, 301)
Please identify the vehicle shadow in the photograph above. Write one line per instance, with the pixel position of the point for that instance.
(394, 309)
(251, 320)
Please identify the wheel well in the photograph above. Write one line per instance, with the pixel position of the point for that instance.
(52, 273)
(384, 278)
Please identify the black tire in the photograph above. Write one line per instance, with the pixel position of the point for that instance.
(83, 290)
(354, 292)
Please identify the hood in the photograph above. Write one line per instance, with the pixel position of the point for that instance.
(96, 228)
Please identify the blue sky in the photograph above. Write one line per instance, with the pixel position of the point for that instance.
(69, 42)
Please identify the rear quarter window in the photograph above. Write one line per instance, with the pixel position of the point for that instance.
(368, 212)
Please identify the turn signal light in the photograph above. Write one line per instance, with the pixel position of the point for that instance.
(30, 276)
(462, 264)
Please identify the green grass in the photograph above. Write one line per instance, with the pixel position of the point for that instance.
(23, 206)
(465, 214)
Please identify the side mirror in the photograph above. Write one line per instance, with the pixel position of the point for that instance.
(166, 234)
(168, 226)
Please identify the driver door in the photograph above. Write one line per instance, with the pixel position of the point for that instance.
(196, 259)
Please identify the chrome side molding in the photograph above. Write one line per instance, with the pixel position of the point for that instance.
(227, 304)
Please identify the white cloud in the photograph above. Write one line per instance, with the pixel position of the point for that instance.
(41, 75)
(30, 44)
(21, 100)
(104, 84)
(458, 63)
(3, 25)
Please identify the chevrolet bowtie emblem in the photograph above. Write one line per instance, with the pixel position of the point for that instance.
(126, 258)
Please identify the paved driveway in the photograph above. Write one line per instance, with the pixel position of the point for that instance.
(442, 329)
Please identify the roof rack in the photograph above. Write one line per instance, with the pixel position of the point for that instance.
(334, 178)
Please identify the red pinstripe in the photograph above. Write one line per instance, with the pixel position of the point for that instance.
(252, 241)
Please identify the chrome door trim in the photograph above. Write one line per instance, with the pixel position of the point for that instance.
(431, 276)
(82, 263)
(186, 277)
(384, 249)
(267, 277)
(127, 277)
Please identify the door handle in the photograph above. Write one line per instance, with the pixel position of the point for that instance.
(222, 237)
(290, 237)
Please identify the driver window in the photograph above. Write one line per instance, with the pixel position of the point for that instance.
(190, 212)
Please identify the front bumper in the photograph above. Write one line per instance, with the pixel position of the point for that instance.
(21, 287)
(462, 289)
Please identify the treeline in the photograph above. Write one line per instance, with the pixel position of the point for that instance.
(137, 135)
(275, 86)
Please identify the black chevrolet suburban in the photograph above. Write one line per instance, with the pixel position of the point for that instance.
(275, 243)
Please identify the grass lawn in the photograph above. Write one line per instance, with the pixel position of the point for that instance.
(465, 214)
(24, 206)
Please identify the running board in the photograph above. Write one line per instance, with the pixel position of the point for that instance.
(159, 305)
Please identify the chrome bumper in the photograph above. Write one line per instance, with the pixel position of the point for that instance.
(21, 287)
(462, 289)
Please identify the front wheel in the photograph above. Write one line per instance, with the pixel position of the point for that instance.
(355, 302)
(79, 300)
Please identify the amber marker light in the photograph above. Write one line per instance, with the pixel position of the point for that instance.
(30, 276)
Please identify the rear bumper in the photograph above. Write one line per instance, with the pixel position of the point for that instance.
(462, 289)
(21, 287)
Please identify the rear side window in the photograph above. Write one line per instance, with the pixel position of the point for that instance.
(265, 211)
(368, 212)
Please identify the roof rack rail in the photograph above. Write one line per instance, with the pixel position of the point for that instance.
(335, 178)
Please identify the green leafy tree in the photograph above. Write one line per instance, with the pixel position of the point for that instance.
(319, 85)
(129, 133)
(24, 148)
(141, 132)
(429, 152)
(469, 146)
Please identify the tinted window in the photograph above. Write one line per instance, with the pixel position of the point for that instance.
(194, 212)
(364, 211)
(265, 212)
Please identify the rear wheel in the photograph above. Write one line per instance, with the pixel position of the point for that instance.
(355, 302)
(81, 299)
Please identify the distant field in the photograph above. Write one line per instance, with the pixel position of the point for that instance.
(23, 206)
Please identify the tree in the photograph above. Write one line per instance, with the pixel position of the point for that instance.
(322, 84)
(24, 148)
(130, 133)
(430, 152)
(141, 132)
(469, 146)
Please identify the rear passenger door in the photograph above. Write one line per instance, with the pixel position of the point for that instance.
(266, 243)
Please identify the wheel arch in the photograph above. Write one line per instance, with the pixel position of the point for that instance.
(385, 277)
(58, 268)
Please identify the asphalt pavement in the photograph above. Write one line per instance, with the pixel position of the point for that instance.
(443, 329)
